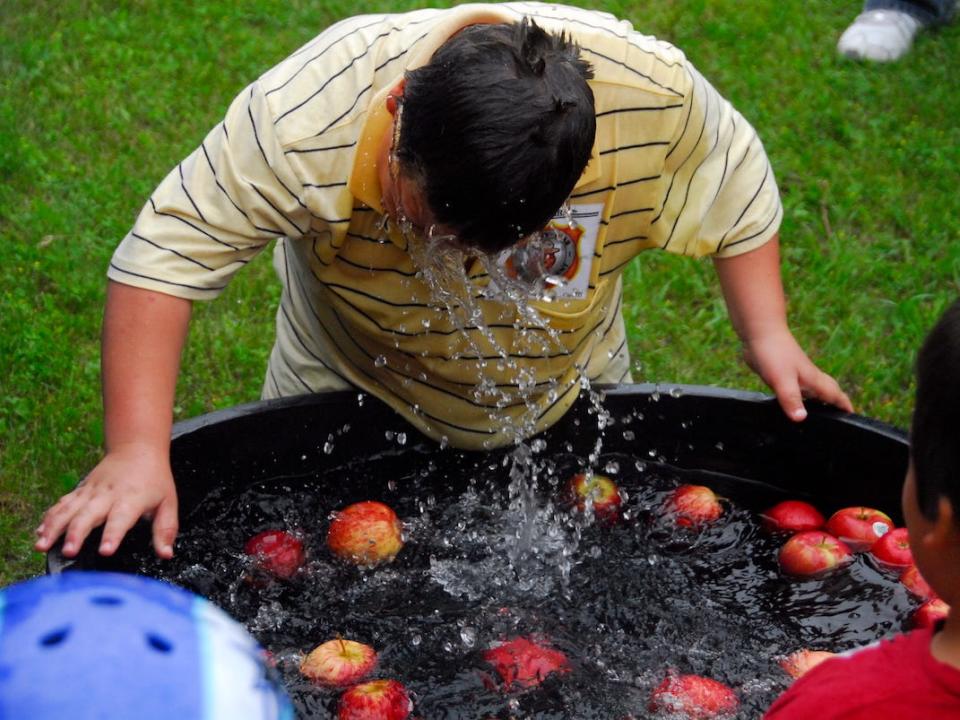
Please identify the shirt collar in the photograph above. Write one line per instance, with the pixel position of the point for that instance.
(364, 183)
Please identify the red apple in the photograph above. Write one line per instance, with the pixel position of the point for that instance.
(802, 661)
(525, 662)
(598, 491)
(915, 583)
(694, 697)
(694, 505)
(792, 516)
(375, 700)
(276, 552)
(339, 662)
(893, 548)
(365, 533)
(859, 527)
(813, 552)
(930, 613)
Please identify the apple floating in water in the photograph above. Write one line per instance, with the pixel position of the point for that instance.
(859, 527)
(930, 613)
(803, 661)
(375, 700)
(276, 552)
(914, 582)
(525, 662)
(893, 549)
(694, 505)
(813, 552)
(792, 516)
(693, 696)
(366, 533)
(339, 662)
(596, 491)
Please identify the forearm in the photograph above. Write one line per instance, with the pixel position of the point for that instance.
(753, 291)
(143, 336)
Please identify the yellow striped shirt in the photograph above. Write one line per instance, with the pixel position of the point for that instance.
(674, 166)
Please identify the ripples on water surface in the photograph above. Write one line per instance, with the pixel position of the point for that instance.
(625, 602)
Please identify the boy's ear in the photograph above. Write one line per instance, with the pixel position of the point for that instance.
(395, 95)
(943, 532)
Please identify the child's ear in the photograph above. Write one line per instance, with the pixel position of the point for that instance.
(943, 532)
(395, 96)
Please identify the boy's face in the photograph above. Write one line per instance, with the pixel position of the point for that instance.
(934, 547)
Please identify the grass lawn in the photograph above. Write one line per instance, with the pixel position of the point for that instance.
(98, 100)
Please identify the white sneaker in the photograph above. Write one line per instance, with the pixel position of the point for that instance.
(879, 35)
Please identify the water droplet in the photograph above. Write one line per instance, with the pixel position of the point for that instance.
(469, 636)
(629, 435)
(381, 361)
(612, 467)
(327, 448)
(676, 392)
(415, 640)
(401, 438)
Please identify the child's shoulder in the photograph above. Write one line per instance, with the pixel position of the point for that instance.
(870, 682)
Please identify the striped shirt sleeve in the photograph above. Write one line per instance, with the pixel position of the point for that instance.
(216, 210)
(720, 195)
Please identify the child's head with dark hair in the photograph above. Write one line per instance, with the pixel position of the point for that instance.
(931, 490)
(497, 129)
(935, 432)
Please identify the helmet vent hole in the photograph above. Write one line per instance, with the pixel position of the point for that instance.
(159, 644)
(107, 600)
(54, 638)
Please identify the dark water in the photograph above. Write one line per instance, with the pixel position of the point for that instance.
(626, 601)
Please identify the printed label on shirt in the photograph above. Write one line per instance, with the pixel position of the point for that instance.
(576, 234)
(558, 259)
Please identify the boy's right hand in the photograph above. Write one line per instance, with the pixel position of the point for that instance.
(129, 483)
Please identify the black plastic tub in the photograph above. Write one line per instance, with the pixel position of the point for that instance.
(627, 602)
(833, 458)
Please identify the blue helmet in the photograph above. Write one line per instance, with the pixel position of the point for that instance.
(105, 646)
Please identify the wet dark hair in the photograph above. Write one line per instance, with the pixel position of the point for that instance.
(497, 128)
(935, 430)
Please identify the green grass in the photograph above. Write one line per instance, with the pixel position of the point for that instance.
(98, 100)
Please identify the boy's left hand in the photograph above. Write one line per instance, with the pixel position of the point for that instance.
(783, 365)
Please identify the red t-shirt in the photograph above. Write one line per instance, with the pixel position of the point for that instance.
(897, 679)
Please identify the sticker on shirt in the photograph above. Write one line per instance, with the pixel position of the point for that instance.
(561, 253)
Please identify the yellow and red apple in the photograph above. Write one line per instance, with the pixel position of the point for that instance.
(339, 662)
(801, 662)
(859, 527)
(792, 516)
(375, 700)
(276, 552)
(915, 583)
(693, 696)
(694, 505)
(525, 662)
(599, 492)
(893, 549)
(930, 613)
(366, 533)
(813, 552)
